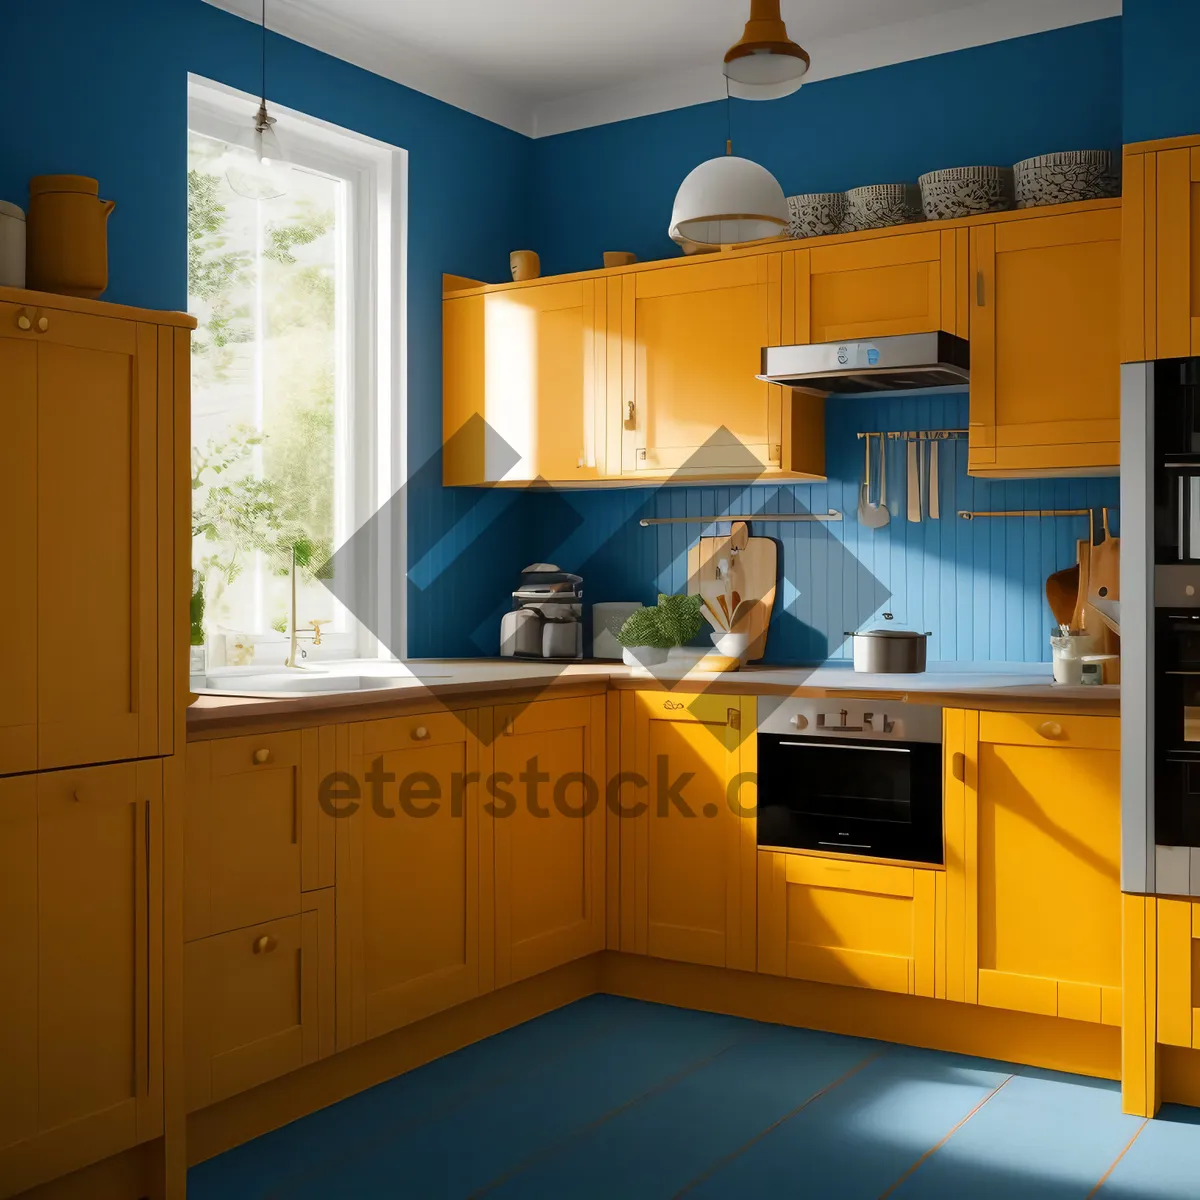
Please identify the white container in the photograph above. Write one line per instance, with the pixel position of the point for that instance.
(12, 245)
(731, 645)
(1068, 659)
(643, 656)
(607, 620)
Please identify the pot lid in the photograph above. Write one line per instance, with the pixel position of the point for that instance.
(896, 634)
(64, 183)
(11, 210)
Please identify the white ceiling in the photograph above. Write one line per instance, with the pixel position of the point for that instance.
(546, 66)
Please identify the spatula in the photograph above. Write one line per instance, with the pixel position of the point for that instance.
(935, 504)
(914, 484)
(873, 516)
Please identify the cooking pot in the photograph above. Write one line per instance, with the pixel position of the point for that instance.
(889, 651)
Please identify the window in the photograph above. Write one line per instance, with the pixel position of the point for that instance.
(295, 273)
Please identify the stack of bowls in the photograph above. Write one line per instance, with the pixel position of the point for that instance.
(816, 214)
(965, 192)
(1066, 177)
(881, 205)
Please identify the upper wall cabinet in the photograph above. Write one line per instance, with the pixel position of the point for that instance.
(1045, 315)
(910, 283)
(1161, 248)
(524, 378)
(87, 451)
(692, 337)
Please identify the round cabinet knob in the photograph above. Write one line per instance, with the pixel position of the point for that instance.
(265, 944)
(1050, 729)
(23, 321)
(421, 734)
(43, 323)
(1190, 590)
(262, 756)
(799, 721)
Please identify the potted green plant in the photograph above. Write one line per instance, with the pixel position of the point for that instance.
(650, 633)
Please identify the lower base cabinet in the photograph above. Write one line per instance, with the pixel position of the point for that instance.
(259, 1002)
(81, 965)
(1033, 844)
(1179, 973)
(859, 924)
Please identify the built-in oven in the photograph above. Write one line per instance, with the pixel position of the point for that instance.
(1177, 707)
(857, 777)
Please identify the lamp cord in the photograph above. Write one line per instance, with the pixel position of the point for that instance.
(728, 115)
(264, 52)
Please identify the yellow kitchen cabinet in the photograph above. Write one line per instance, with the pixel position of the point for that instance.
(861, 924)
(524, 378)
(81, 952)
(548, 761)
(688, 887)
(1179, 973)
(690, 402)
(1045, 322)
(258, 1002)
(878, 287)
(87, 461)
(1161, 250)
(414, 871)
(1033, 843)
(255, 836)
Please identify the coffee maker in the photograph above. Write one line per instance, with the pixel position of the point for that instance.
(546, 621)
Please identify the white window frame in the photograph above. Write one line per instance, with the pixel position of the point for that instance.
(373, 424)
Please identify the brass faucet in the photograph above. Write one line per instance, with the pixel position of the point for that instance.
(294, 634)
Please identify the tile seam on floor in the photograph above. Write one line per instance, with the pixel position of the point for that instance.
(938, 1145)
(661, 1086)
(1113, 1165)
(762, 1133)
(280, 1189)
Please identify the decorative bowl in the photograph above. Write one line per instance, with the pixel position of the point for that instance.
(881, 205)
(816, 214)
(1066, 177)
(965, 191)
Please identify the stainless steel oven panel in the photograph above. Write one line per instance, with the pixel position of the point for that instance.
(1172, 584)
(879, 720)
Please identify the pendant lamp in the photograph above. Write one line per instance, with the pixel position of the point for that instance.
(727, 202)
(766, 64)
(266, 141)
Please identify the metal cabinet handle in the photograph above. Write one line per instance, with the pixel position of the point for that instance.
(958, 766)
(980, 291)
(420, 734)
(265, 944)
(1050, 729)
(262, 756)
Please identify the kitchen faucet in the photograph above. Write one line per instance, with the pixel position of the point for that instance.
(294, 635)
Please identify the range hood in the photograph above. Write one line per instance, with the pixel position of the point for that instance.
(902, 363)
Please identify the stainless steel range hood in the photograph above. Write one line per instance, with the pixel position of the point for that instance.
(903, 363)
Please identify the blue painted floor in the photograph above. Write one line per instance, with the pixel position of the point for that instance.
(619, 1099)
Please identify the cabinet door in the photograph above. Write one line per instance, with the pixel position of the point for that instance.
(860, 924)
(878, 287)
(693, 337)
(18, 498)
(97, 917)
(258, 1002)
(523, 373)
(549, 838)
(1045, 318)
(688, 887)
(1033, 839)
(96, 537)
(255, 836)
(1179, 973)
(408, 871)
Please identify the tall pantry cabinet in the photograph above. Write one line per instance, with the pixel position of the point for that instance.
(94, 485)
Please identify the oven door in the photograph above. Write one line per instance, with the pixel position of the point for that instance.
(877, 799)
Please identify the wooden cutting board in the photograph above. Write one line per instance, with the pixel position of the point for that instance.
(753, 573)
(1104, 574)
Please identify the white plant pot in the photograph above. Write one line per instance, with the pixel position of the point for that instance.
(643, 656)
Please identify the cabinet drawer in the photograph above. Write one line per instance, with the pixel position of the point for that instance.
(423, 729)
(875, 878)
(1050, 729)
(258, 1002)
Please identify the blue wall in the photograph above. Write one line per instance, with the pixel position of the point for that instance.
(978, 585)
(101, 89)
(612, 187)
(1162, 82)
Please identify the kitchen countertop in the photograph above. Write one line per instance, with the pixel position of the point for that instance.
(450, 682)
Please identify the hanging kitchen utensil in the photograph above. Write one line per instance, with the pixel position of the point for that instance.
(873, 516)
(914, 484)
(935, 505)
(1104, 576)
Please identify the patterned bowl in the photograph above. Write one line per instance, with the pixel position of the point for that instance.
(816, 214)
(1066, 177)
(965, 191)
(881, 205)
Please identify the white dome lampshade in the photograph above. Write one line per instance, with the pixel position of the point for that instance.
(727, 202)
(766, 64)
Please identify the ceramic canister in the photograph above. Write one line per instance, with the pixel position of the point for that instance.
(12, 246)
(67, 251)
(525, 264)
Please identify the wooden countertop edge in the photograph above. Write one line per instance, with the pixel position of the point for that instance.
(279, 714)
(95, 308)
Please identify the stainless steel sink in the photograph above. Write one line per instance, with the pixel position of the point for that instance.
(320, 683)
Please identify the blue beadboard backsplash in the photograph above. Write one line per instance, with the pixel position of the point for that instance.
(978, 585)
